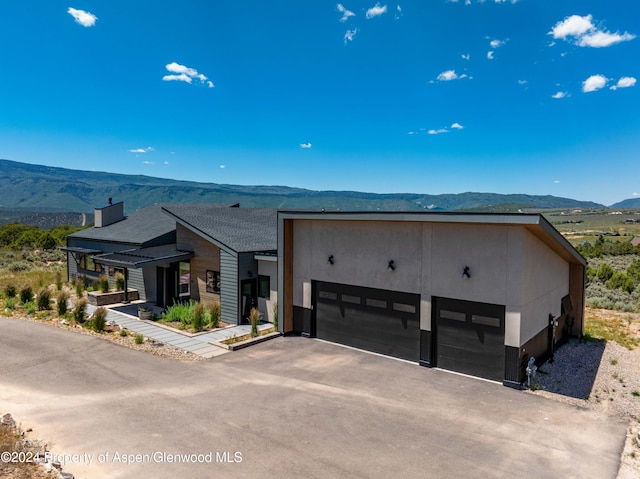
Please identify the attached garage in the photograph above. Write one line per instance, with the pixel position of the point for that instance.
(470, 337)
(478, 294)
(385, 322)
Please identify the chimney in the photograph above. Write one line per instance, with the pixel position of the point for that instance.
(107, 215)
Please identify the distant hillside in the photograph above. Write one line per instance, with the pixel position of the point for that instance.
(44, 220)
(630, 203)
(61, 190)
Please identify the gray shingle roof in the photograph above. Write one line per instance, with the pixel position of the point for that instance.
(137, 227)
(240, 229)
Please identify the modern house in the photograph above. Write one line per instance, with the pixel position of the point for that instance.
(168, 253)
(234, 256)
(477, 294)
(141, 245)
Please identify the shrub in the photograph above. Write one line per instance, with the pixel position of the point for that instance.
(10, 303)
(10, 291)
(123, 333)
(104, 283)
(119, 282)
(214, 315)
(620, 281)
(58, 281)
(30, 307)
(80, 284)
(61, 302)
(80, 310)
(197, 320)
(605, 272)
(99, 319)
(254, 317)
(182, 312)
(44, 299)
(18, 266)
(26, 295)
(139, 339)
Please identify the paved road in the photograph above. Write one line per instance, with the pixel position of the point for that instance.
(291, 407)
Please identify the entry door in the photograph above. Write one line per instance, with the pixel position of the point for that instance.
(470, 337)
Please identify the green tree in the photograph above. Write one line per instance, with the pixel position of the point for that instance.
(605, 272)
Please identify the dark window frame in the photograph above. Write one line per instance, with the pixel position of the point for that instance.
(213, 281)
(262, 293)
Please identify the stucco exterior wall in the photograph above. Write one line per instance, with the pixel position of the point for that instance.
(545, 282)
(206, 257)
(508, 266)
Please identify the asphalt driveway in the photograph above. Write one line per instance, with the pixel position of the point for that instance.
(290, 407)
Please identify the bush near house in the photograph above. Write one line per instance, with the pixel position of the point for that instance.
(61, 302)
(44, 299)
(26, 295)
(104, 283)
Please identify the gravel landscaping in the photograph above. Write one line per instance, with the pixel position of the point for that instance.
(602, 376)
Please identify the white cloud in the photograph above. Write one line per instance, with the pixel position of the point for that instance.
(457, 126)
(490, 55)
(147, 162)
(166, 163)
(583, 32)
(305, 146)
(437, 132)
(635, 194)
(603, 39)
(185, 74)
(399, 12)
(222, 167)
(376, 11)
(141, 150)
(450, 75)
(349, 35)
(496, 43)
(558, 95)
(624, 82)
(594, 83)
(522, 82)
(556, 181)
(85, 19)
(573, 26)
(345, 13)
(466, 56)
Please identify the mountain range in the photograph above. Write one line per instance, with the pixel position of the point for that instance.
(47, 189)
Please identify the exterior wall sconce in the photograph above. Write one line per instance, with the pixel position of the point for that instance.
(391, 266)
(330, 260)
(466, 274)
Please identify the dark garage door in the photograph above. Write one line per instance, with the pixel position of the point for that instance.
(470, 337)
(385, 322)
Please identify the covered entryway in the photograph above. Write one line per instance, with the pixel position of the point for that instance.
(469, 337)
(385, 322)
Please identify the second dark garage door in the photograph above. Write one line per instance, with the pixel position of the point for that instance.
(385, 322)
(470, 337)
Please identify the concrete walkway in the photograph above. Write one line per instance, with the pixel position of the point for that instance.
(206, 344)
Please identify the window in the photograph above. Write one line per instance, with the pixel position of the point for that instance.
(376, 303)
(346, 298)
(213, 282)
(185, 279)
(264, 286)
(485, 320)
(86, 263)
(404, 308)
(455, 315)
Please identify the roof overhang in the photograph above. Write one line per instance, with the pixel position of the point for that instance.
(534, 223)
(78, 250)
(143, 257)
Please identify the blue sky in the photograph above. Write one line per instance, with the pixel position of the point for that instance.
(429, 96)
